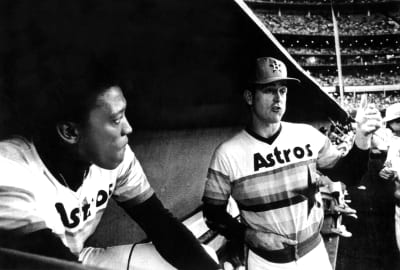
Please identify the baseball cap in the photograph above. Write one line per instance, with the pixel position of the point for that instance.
(268, 70)
(392, 112)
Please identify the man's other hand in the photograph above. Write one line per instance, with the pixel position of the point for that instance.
(267, 241)
(388, 174)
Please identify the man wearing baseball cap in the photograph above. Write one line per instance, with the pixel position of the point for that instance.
(391, 170)
(269, 168)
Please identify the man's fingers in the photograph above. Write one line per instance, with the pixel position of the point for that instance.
(372, 113)
(370, 128)
(288, 241)
(364, 101)
(387, 173)
(373, 117)
(383, 175)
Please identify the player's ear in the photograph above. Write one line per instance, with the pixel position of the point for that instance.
(68, 131)
(248, 97)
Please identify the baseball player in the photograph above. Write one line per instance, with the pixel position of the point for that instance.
(270, 170)
(56, 184)
(391, 169)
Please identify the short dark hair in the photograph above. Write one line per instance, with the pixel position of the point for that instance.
(69, 90)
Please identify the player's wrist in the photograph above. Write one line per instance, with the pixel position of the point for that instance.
(250, 237)
(363, 140)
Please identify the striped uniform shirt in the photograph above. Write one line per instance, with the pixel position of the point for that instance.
(32, 199)
(274, 184)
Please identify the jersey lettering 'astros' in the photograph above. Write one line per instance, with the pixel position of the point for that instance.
(32, 199)
(273, 183)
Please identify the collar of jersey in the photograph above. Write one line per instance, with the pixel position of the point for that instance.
(270, 140)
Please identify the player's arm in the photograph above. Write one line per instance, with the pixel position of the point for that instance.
(41, 242)
(216, 194)
(219, 220)
(21, 226)
(350, 168)
(170, 237)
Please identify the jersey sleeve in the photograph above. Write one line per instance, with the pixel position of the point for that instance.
(132, 183)
(328, 154)
(218, 182)
(18, 211)
(347, 168)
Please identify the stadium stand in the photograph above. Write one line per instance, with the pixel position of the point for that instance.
(320, 2)
(312, 24)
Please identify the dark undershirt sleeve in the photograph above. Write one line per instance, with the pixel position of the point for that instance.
(169, 236)
(350, 168)
(42, 242)
(219, 220)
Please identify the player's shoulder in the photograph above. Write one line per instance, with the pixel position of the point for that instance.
(234, 143)
(300, 129)
(14, 174)
(17, 149)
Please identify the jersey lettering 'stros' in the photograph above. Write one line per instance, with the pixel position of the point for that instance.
(281, 156)
(73, 220)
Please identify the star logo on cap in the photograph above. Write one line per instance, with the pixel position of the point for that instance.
(275, 66)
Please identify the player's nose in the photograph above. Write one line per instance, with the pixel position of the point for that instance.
(126, 127)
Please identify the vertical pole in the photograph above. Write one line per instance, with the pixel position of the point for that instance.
(338, 57)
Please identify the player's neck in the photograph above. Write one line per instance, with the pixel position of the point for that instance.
(62, 163)
(265, 130)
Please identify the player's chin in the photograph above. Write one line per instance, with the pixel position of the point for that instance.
(112, 162)
(111, 165)
(275, 120)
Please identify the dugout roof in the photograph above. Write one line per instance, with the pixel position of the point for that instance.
(186, 59)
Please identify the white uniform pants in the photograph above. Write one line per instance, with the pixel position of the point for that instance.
(129, 257)
(316, 259)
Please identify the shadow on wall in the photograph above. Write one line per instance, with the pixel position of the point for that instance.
(186, 62)
(176, 164)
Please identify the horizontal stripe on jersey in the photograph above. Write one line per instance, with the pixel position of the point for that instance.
(273, 184)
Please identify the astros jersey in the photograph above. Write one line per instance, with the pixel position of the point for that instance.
(273, 184)
(32, 199)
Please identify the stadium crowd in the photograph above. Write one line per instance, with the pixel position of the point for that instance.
(348, 60)
(319, 1)
(381, 100)
(359, 79)
(344, 50)
(315, 24)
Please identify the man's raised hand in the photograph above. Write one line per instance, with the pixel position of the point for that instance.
(368, 120)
